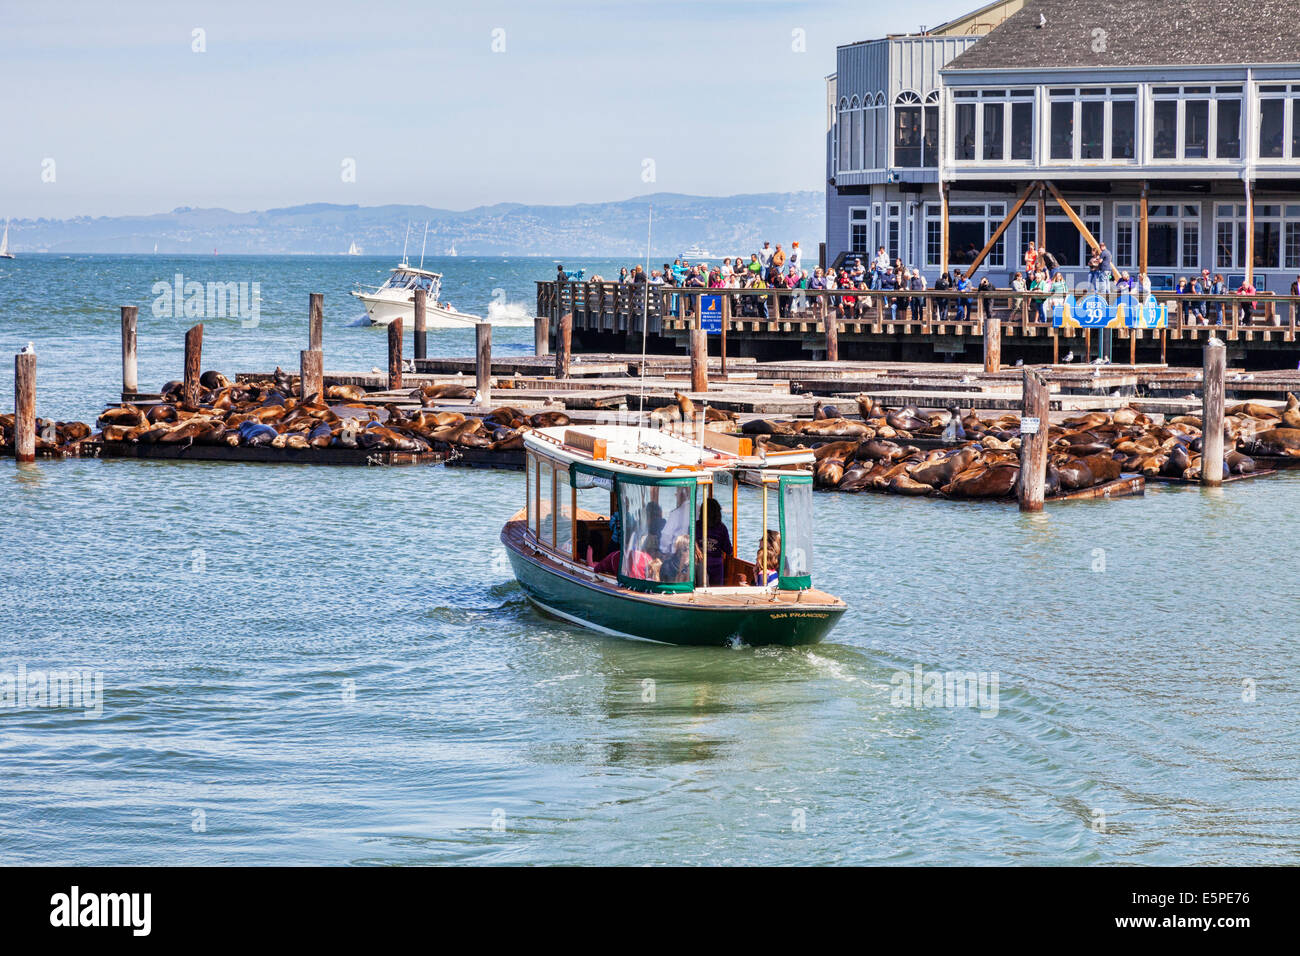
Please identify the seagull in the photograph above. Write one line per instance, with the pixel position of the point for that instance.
(1042, 20)
(28, 349)
(1069, 357)
(1019, 362)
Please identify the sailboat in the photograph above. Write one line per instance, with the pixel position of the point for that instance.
(353, 250)
(452, 251)
(4, 244)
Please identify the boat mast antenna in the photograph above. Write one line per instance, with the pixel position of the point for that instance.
(645, 323)
(405, 242)
(426, 242)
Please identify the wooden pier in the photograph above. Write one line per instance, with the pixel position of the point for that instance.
(790, 324)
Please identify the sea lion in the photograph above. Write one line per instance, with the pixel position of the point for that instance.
(548, 419)
(984, 481)
(903, 485)
(345, 393)
(1291, 414)
(879, 450)
(685, 406)
(837, 427)
(1278, 441)
(213, 380)
(1255, 410)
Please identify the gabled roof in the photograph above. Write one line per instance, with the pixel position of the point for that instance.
(1079, 34)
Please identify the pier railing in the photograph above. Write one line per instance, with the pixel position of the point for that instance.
(619, 307)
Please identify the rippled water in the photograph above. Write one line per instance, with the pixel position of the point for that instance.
(312, 665)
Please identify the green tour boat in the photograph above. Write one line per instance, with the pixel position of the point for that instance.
(649, 556)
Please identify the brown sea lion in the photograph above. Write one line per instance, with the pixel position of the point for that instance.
(903, 485)
(548, 419)
(1255, 410)
(1278, 441)
(1291, 414)
(345, 393)
(980, 481)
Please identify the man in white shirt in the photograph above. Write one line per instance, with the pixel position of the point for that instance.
(879, 266)
(765, 256)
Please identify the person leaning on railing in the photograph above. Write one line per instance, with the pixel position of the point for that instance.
(1248, 307)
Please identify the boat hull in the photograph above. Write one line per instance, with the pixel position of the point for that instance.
(383, 310)
(648, 617)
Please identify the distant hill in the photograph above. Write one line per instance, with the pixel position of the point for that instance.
(723, 225)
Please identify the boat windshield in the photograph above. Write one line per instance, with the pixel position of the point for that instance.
(412, 281)
(796, 497)
(657, 542)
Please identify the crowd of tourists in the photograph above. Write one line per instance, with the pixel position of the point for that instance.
(1041, 283)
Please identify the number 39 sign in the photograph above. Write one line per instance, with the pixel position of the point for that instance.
(1099, 312)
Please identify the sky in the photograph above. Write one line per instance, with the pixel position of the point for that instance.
(136, 108)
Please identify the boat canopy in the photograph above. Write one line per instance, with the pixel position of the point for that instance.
(655, 479)
(409, 277)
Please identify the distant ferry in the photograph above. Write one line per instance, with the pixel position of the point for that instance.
(696, 253)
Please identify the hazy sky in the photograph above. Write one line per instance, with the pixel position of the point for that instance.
(579, 98)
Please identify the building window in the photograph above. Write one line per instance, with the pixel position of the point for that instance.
(1227, 140)
(1165, 131)
(859, 230)
(1271, 113)
(916, 131)
(1022, 131)
(1093, 123)
(1291, 250)
(1028, 234)
(994, 125)
(845, 140)
(1173, 236)
(1123, 130)
(1196, 122)
(1273, 246)
(966, 131)
(894, 231)
(933, 235)
(1125, 231)
(1062, 130)
(969, 228)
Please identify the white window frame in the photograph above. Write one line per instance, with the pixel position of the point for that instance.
(865, 222)
(981, 98)
(1217, 92)
(1289, 110)
(1108, 97)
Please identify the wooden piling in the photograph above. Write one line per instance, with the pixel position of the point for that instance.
(1212, 399)
(483, 361)
(25, 406)
(421, 325)
(726, 324)
(699, 360)
(316, 321)
(311, 366)
(564, 345)
(193, 365)
(1033, 447)
(395, 353)
(542, 335)
(130, 374)
(992, 345)
(832, 337)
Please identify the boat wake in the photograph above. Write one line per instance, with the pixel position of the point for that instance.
(509, 313)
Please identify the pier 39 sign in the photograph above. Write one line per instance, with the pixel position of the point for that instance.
(1098, 311)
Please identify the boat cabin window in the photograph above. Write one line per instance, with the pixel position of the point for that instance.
(563, 513)
(658, 534)
(796, 502)
(544, 528)
(531, 472)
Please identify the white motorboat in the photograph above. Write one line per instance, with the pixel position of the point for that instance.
(4, 244)
(396, 297)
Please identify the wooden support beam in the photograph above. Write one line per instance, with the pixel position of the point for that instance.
(311, 372)
(542, 335)
(1041, 231)
(1033, 447)
(483, 362)
(699, 359)
(315, 320)
(1002, 227)
(832, 337)
(193, 365)
(1088, 237)
(395, 353)
(25, 406)
(992, 345)
(421, 324)
(564, 345)
(130, 376)
(1212, 398)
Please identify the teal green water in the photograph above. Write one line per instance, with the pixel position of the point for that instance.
(310, 665)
